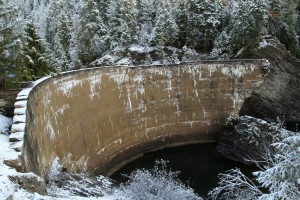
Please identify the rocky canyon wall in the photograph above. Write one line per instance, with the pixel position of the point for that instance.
(95, 120)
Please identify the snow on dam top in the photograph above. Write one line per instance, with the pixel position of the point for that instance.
(95, 120)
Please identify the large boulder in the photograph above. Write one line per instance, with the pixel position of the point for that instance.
(30, 182)
(248, 140)
(279, 95)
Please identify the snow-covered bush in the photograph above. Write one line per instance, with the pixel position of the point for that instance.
(189, 54)
(157, 183)
(235, 185)
(280, 177)
(62, 184)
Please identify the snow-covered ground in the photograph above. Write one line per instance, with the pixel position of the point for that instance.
(8, 188)
(11, 190)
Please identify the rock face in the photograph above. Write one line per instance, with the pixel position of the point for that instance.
(247, 138)
(279, 95)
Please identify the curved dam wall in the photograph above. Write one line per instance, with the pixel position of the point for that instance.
(95, 120)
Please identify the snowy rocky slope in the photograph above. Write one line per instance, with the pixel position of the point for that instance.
(8, 189)
(278, 96)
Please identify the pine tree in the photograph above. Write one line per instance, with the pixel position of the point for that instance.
(182, 22)
(122, 24)
(37, 56)
(166, 28)
(103, 6)
(199, 21)
(130, 16)
(146, 21)
(59, 33)
(210, 22)
(244, 22)
(40, 14)
(11, 30)
(27, 7)
(91, 31)
(287, 26)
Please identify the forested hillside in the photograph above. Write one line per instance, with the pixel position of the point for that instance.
(42, 36)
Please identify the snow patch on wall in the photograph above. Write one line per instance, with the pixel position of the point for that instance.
(212, 69)
(49, 130)
(238, 70)
(59, 111)
(95, 81)
(65, 84)
(140, 80)
(119, 76)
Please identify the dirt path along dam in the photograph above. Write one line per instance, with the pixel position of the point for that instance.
(95, 120)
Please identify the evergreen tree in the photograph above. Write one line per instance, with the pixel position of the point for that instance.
(182, 22)
(59, 33)
(27, 7)
(11, 30)
(40, 14)
(37, 56)
(146, 21)
(166, 28)
(287, 26)
(122, 24)
(91, 31)
(244, 22)
(199, 22)
(210, 22)
(103, 6)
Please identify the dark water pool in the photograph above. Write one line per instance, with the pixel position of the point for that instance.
(199, 165)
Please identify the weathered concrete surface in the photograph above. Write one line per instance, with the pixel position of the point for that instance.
(95, 120)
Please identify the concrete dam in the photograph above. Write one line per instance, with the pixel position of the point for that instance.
(96, 120)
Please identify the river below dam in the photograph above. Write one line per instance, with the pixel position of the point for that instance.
(199, 165)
